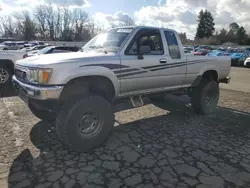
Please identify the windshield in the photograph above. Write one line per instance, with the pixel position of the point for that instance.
(110, 41)
(44, 50)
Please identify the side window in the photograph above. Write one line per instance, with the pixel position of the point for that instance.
(73, 49)
(173, 47)
(146, 37)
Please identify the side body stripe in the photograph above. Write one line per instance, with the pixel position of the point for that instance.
(124, 70)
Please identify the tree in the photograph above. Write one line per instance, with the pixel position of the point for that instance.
(242, 36)
(25, 25)
(234, 27)
(80, 19)
(183, 37)
(40, 15)
(67, 22)
(8, 26)
(222, 36)
(205, 25)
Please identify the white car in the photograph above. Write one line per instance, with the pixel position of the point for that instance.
(34, 48)
(247, 62)
(19, 45)
(8, 45)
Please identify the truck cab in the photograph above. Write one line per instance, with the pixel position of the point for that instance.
(78, 89)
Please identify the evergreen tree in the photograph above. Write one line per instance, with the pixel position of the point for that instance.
(242, 35)
(234, 27)
(205, 24)
(222, 37)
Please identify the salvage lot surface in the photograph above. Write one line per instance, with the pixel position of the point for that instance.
(157, 145)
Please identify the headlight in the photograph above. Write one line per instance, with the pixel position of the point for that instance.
(40, 76)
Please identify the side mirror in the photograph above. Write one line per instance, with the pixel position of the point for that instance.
(143, 50)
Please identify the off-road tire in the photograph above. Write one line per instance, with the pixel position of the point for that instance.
(67, 124)
(208, 88)
(44, 115)
(7, 70)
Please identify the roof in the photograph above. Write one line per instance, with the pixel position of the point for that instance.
(142, 27)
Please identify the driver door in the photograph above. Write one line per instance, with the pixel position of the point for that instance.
(141, 73)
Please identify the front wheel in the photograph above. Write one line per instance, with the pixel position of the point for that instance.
(5, 75)
(85, 122)
(205, 96)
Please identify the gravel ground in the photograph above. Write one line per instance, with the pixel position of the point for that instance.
(157, 145)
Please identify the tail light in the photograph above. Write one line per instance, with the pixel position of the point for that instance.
(25, 56)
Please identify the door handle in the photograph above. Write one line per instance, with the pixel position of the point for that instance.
(163, 61)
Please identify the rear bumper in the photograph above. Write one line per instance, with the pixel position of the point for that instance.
(225, 80)
(37, 92)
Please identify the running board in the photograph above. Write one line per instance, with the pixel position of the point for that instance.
(136, 101)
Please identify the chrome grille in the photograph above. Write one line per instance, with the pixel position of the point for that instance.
(20, 75)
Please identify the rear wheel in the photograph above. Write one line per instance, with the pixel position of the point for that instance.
(85, 122)
(205, 96)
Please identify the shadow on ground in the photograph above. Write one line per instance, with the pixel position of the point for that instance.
(180, 149)
(7, 91)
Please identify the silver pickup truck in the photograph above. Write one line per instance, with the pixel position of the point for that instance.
(77, 89)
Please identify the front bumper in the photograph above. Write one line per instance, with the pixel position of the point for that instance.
(37, 92)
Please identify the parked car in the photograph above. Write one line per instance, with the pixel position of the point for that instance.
(8, 45)
(229, 52)
(205, 47)
(237, 59)
(247, 49)
(53, 49)
(20, 45)
(215, 53)
(78, 89)
(201, 52)
(11, 45)
(34, 43)
(188, 50)
(34, 48)
(247, 62)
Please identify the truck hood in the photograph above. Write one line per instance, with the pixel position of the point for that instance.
(57, 58)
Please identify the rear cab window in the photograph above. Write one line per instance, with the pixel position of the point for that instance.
(173, 46)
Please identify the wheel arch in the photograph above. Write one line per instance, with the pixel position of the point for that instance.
(7, 62)
(206, 74)
(94, 83)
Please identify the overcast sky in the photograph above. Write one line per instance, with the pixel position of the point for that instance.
(176, 14)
